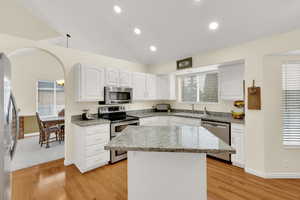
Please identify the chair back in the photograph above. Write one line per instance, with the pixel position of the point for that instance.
(41, 126)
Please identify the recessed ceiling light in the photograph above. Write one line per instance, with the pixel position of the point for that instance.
(197, 1)
(137, 31)
(213, 26)
(117, 9)
(153, 48)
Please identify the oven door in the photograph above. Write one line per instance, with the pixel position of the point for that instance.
(116, 129)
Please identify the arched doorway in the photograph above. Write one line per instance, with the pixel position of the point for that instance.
(38, 86)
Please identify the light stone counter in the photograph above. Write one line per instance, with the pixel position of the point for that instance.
(167, 162)
(189, 139)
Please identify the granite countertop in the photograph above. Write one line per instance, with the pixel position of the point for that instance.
(189, 139)
(214, 117)
(84, 123)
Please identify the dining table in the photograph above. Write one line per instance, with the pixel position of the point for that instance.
(53, 121)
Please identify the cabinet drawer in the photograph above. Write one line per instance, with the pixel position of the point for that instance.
(97, 139)
(98, 129)
(98, 159)
(94, 150)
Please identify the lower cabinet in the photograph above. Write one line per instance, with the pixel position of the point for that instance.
(89, 146)
(237, 142)
(169, 121)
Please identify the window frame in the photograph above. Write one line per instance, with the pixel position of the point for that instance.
(54, 97)
(198, 102)
(286, 146)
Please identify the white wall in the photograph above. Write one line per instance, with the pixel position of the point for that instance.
(256, 120)
(18, 21)
(69, 57)
(278, 156)
(28, 67)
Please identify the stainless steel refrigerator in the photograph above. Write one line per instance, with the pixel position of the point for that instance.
(9, 127)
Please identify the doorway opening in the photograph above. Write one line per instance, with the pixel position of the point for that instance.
(38, 87)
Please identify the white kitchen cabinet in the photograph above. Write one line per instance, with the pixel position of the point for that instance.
(139, 86)
(166, 87)
(89, 146)
(125, 78)
(150, 87)
(238, 143)
(112, 77)
(184, 121)
(155, 121)
(89, 83)
(231, 82)
(169, 121)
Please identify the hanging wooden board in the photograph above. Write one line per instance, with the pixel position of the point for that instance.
(254, 98)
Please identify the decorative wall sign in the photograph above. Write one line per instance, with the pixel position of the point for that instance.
(254, 97)
(185, 63)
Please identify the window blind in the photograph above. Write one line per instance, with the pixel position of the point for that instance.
(208, 88)
(50, 98)
(197, 88)
(189, 89)
(291, 104)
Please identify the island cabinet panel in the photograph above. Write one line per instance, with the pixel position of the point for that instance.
(238, 143)
(89, 83)
(166, 176)
(89, 143)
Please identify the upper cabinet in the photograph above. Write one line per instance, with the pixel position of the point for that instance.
(125, 78)
(139, 86)
(166, 87)
(112, 77)
(89, 83)
(231, 79)
(151, 87)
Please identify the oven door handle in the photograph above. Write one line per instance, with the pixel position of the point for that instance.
(125, 123)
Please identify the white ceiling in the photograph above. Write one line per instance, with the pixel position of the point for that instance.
(179, 28)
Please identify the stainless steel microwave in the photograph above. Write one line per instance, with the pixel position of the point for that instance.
(117, 95)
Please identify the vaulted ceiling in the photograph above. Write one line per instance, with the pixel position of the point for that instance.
(178, 28)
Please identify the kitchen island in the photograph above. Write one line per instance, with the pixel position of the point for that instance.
(167, 162)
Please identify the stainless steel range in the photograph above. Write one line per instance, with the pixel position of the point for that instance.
(119, 121)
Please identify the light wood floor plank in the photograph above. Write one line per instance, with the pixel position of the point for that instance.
(54, 181)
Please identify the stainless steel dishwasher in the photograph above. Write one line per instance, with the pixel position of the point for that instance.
(221, 130)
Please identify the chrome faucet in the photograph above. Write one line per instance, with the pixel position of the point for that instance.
(205, 111)
(193, 108)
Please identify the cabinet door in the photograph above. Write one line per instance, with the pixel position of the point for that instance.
(91, 84)
(165, 87)
(112, 77)
(139, 86)
(237, 142)
(125, 79)
(150, 87)
(231, 79)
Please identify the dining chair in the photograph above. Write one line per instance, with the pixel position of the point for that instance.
(45, 132)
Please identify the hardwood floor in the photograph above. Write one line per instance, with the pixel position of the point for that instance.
(54, 181)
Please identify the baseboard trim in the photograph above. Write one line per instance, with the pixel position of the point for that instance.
(255, 172)
(67, 162)
(274, 175)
